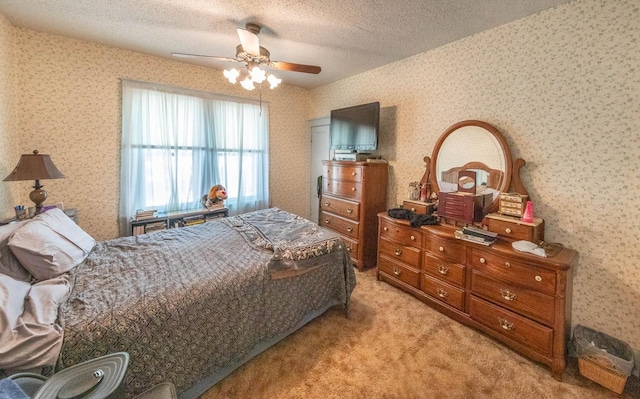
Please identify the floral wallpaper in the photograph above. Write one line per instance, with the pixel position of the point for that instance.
(8, 118)
(563, 87)
(69, 99)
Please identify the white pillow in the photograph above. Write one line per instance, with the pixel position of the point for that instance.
(12, 294)
(50, 244)
(9, 265)
(44, 299)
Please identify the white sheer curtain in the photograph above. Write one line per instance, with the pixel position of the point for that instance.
(177, 143)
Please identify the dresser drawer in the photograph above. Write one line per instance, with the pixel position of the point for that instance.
(347, 173)
(352, 247)
(394, 250)
(527, 302)
(509, 324)
(447, 249)
(516, 231)
(340, 225)
(442, 291)
(522, 274)
(421, 208)
(450, 272)
(343, 188)
(399, 271)
(405, 235)
(341, 207)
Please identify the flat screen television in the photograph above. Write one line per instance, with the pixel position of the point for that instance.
(355, 128)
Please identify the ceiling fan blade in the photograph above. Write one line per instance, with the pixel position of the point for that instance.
(185, 55)
(288, 66)
(249, 41)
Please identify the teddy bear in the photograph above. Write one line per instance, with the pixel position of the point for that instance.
(215, 198)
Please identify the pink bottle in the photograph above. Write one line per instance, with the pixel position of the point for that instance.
(527, 216)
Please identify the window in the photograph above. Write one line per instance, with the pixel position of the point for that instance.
(177, 143)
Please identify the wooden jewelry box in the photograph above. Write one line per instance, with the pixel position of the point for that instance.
(464, 207)
(512, 204)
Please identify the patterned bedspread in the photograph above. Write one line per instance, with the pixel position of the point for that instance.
(184, 303)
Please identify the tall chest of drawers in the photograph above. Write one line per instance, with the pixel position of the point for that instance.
(353, 193)
(520, 299)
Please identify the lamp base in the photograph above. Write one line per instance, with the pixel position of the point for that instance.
(38, 196)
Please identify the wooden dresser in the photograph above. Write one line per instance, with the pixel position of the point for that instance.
(353, 193)
(520, 299)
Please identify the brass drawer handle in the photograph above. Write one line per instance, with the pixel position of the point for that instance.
(398, 251)
(353, 189)
(538, 278)
(441, 249)
(442, 269)
(349, 210)
(507, 325)
(349, 249)
(353, 173)
(327, 221)
(508, 295)
(385, 228)
(507, 264)
(482, 260)
(413, 238)
(326, 203)
(442, 293)
(507, 230)
(396, 271)
(413, 209)
(349, 229)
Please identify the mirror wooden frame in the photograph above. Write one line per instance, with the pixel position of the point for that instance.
(511, 181)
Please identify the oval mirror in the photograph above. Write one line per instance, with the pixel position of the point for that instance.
(474, 146)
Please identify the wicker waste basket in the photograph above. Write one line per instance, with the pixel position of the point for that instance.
(602, 358)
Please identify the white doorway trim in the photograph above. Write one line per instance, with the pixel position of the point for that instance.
(319, 150)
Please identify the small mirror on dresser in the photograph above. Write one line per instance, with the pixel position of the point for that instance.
(478, 147)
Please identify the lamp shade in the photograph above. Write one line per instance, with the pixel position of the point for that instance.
(34, 167)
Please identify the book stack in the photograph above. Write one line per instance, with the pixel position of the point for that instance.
(191, 220)
(144, 215)
(155, 226)
(474, 234)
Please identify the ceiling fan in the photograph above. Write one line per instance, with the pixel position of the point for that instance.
(252, 55)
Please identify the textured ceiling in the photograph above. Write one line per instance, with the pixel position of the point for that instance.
(344, 37)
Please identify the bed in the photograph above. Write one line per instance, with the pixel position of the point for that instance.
(190, 305)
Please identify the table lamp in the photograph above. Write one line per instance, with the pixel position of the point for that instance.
(35, 167)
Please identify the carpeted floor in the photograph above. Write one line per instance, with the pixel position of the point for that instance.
(396, 347)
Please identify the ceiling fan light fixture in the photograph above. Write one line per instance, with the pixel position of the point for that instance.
(232, 75)
(252, 55)
(247, 83)
(273, 81)
(257, 74)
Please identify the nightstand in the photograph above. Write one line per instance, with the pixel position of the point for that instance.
(71, 212)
